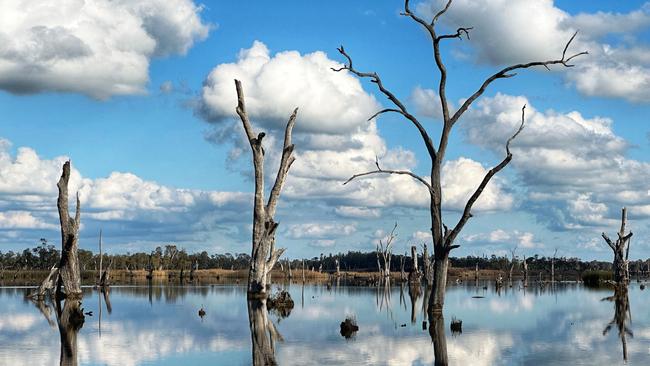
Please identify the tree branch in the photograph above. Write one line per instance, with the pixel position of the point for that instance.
(609, 241)
(398, 172)
(285, 163)
(507, 72)
(377, 80)
(468, 207)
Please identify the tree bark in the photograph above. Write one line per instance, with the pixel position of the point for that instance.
(264, 255)
(438, 338)
(69, 276)
(437, 299)
(621, 249)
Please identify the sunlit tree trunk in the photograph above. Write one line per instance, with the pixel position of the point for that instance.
(264, 255)
(621, 249)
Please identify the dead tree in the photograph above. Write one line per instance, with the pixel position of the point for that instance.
(426, 265)
(104, 274)
(513, 262)
(65, 276)
(443, 238)
(385, 249)
(264, 255)
(525, 265)
(402, 275)
(553, 266)
(621, 250)
(414, 275)
(338, 268)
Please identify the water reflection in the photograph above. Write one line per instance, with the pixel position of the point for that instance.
(70, 319)
(264, 334)
(622, 316)
(538, 327)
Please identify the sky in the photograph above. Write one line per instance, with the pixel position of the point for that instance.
(139, 95)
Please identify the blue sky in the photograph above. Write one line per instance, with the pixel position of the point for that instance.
(135, 94)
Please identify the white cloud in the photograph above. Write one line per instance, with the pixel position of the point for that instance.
(427, 102)
(127, 206)
(517, 31)
(329, 102)
(320, 231)
(574, 168)
(99, 48)
(505, 239)
(461, 177)
(22, 220)
(357, 212)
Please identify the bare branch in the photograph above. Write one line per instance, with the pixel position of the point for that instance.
(241, 111)
(398, 172)
(459, 34)
(468, 207)
(285, 163)
(377, 80)
(507, 72)
(385, 111)
(609, 241)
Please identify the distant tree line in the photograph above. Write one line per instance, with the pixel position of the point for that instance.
(170, 257)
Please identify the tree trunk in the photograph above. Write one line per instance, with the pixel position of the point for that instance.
(426, 264)
(439, 284)
(263, 254)
(525, 265)
(69, 275)
(414, 275)
(438, 338)
(338, 268)
(621, 251)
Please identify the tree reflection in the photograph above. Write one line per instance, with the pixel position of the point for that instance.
(622, 316)
(437, 333)
(70, 319)
(263, 333)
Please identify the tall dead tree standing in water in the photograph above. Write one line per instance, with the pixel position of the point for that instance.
(443, 237)
(385, 249)
(264, 254)
(64, 280)
(621, 248)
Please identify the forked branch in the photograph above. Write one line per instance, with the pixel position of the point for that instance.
(401, 108)
(398, 172)
(467, 212)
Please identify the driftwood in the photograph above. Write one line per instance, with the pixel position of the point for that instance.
(621, 249)
(443, 236)
(264, 254)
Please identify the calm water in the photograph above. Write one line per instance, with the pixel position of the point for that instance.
(160, 326)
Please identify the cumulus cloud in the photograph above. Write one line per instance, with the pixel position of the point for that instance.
(509, 32)
(128, 207)
(98, 48)
(329, 102)
(574, 168)
(505, 238)
(461, 177)
(320, 231)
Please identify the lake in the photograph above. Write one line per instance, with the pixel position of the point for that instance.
(160, 325)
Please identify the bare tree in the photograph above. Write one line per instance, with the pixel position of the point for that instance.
(621, 250)
(553, 266)
(66, 274)
(426, 265)
(414, 275)
(513, 263)
(384, 248)
(264, 254)
(525, 265)
(443, 238)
